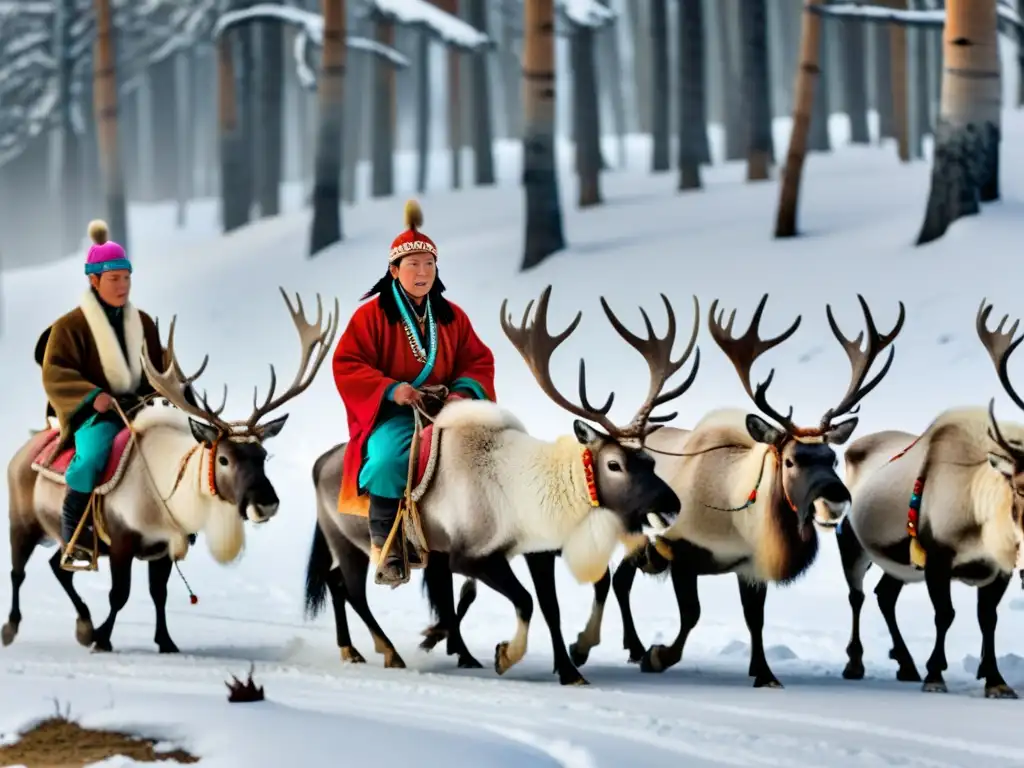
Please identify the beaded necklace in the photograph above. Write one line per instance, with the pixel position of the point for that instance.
(428, 358)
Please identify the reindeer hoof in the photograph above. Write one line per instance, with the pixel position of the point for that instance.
(934, 686)
(652, 660)
(502, 664)
(83, 632)
(168, 646)
(392, 660)
(350, 655)
(579, 657)
(908, 675)
(10, 631)
(466, 661)
(767, 681)
(854, 670)
(1001, 691)
(102, 646)
(431, 637)
(572, 678)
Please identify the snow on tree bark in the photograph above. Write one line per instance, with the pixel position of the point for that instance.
(757, 84)
(544, 235)
(965, 167)
(692, 123)
(803, 104)
(326, 229)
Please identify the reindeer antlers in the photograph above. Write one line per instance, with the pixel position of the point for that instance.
(745, 349)
(172, 384)
(999, 346)
(536, 345)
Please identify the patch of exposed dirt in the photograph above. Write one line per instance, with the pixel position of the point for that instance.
(61, 743)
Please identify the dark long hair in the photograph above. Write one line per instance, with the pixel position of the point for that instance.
(443, 312)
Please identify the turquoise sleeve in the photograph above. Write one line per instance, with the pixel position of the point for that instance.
(468, 386)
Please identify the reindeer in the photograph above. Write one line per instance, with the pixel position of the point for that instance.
(178, 469)
(498, 492)
(786, 474)
(955, 494)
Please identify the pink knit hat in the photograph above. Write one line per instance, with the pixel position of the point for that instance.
(104, 255)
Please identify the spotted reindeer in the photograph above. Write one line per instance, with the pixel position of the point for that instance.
(751, 492)
(936, 507)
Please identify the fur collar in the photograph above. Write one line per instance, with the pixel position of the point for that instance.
(122, 375)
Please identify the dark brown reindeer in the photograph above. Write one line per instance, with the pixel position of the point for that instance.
(498, 492)
(750, 492)
(966, 472)
(178, 470)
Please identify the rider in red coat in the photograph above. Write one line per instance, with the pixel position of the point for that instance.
(408, 336)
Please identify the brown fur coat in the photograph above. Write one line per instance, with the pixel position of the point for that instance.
(83, 354)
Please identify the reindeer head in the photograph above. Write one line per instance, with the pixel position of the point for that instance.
(237, 456)
(623, 472)
(807, 462)
(1007, 455)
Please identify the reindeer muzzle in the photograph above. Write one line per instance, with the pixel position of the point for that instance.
(663, 512)
(260, 513)
(830, 504)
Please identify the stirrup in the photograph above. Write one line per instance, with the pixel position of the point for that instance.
(76, 558)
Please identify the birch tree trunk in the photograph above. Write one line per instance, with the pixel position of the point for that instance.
(422, 108)
(383, 137)
(965, 169)
(105, 110)
(693, 130)
(803, 105)
(233, 193)
(587, 110)
(544, 234)
(659, 83)
(855, 80)
(326, 229)
(757, 84)
(482, 125)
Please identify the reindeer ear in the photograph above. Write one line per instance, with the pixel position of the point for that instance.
(585, 433)
(841, 432)
(203, 433)
(1002, 465)
(272, 428)
(762, 431)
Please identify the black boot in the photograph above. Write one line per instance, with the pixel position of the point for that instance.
(75, 503)
(382, 517)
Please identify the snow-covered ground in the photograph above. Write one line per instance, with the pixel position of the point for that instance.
(860, 211)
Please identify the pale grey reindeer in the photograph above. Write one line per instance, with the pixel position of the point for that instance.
(958, 488)
(187, 471)
(498, 492)
(750, 493)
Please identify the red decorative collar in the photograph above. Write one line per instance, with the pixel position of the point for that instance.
(588, 472)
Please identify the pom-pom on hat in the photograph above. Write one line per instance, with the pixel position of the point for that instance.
(412, 240)
(104, 254)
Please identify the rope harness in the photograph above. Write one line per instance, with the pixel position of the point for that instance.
(95, 509)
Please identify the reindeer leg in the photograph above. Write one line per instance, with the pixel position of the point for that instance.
(438, 582)
(24, 539)
(352, 576)
(336, 586)
(590, 637)
(120, 589)
(83, 624)
(855, 564)
(622, 584)
(159, 575)
(658, 658)
(496, 572)
(989, 597)
(888, 591)
(937, 577)
(752, 597)
(542, 569)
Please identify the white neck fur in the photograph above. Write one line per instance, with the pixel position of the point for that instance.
(123, 375)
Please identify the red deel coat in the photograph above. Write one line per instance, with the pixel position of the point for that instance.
(372, 354)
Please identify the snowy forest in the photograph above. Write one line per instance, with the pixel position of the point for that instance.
(106, 103)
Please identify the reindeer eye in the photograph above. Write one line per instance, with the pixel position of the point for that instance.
(614, 466)
(223, 461)
(789, 462)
